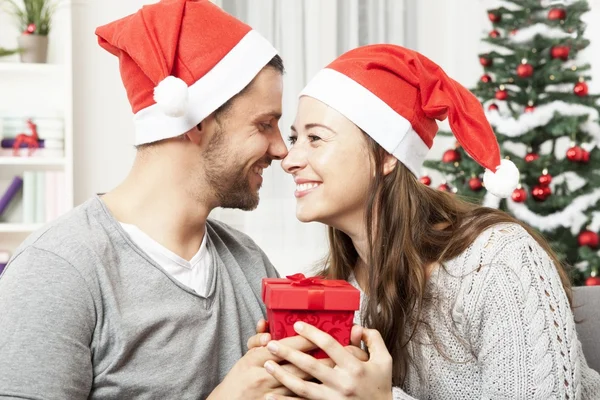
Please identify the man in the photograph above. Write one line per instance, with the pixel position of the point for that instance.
(135, 293)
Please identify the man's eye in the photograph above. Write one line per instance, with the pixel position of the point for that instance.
(265, 126)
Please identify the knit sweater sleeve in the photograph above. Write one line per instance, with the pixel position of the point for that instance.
(520, 323)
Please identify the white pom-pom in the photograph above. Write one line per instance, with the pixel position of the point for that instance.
(504, 181)
(171, 95)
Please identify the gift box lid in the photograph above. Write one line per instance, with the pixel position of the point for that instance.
(296, 292)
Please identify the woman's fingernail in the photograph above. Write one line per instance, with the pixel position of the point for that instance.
(298, 326)
(269, 367)
(272, 347)
(270, 397)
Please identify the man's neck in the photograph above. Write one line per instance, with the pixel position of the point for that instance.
(164, 209)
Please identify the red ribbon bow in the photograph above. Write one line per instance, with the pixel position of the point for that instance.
(316, 297)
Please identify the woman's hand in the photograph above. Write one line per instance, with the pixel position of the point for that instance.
(354, 376)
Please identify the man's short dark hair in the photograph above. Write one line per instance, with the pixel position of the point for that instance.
(276, 62)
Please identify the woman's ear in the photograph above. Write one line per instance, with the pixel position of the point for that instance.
(389, 164)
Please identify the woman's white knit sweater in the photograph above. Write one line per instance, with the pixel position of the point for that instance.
(503, 322)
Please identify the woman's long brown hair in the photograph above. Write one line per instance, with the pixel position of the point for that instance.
(403, 219)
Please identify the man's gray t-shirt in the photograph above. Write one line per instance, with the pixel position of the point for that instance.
(84, 313)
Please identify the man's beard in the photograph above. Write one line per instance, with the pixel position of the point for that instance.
(228, 181)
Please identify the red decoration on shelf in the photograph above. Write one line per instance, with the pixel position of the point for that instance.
(425, 180)
(32, 141)
(493, 107)
(556, 14)
(575, 154)
(444, 187)
(560, 52)
(486, 78)
(495, 18)
(530, 157)
(494, 34)
(501, 94)
(475, 184)
(525, 70)
(30, 30)
(541, 193)
(545, 179)
(519, 195)
(486, 62)
(592, 281)
(589, 239)
(451, 156)
(529, 108)
(581, 89)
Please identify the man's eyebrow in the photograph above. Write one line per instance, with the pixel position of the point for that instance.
(271, 114)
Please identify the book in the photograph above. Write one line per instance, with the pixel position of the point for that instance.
(9, 194)
(8, 143)
(29, 203)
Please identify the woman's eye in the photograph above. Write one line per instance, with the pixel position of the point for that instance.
(292, 140)
(313, 138)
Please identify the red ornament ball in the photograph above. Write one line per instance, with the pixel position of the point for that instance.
(493, 107)
(529, 109)
(581, 89)
(525, 70)
(530, 157)
(519, 195)
(585, 157)
(425, 180)
(560, 52)
(547, 191)
(557, 14)
(451, 156)
(501, 94)
(494, 34)
(475, 184)
(486, 78)
(539, 193)
(514, 32)
(495, 18)
(486, 62)
(545, 179)
(589, 239)
(592, 281)
(575, 154)
(444, 187)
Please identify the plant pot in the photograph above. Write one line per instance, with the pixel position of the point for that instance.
(34, 48)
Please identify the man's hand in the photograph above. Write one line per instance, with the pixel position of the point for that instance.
(248, 378)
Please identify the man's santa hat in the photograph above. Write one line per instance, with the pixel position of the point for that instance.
(396, 95)
(180, 60)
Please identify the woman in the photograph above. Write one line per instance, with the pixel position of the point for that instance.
(469, 302)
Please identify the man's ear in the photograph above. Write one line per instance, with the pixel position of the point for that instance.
(196, 133)
(389, 164)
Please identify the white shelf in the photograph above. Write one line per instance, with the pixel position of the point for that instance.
(19, 228)
(25, 161)
(30, 68)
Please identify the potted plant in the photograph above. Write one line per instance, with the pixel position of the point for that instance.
(34, 19)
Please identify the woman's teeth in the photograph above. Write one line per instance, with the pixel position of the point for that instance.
(306, 186)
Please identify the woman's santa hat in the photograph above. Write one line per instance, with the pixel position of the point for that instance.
(180, 60)
(396, 95)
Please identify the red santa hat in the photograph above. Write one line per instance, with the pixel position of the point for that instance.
(180, 60)
(396, 95)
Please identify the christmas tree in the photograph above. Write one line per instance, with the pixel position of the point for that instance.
(536, 98)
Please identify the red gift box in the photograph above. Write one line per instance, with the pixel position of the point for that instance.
(326, 304)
